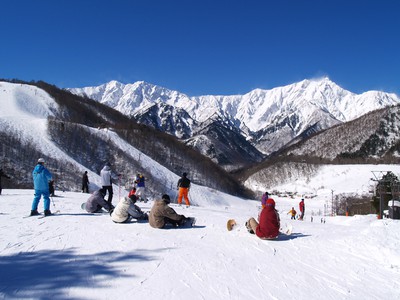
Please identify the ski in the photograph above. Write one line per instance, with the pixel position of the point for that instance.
(44, 216)
(28, 216)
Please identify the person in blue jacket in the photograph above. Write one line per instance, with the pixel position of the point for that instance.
(41, 177)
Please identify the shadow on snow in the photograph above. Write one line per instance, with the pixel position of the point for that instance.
(48, 274)
(284, 237)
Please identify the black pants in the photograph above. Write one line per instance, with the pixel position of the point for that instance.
(108, 188)
(85, 188)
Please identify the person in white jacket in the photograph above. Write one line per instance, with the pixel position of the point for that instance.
(126, 209)
(106, 181)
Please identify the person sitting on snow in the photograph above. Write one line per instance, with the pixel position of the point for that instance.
(269, 222)
(96, 202)
(127, 209)
(162, 215)
(264, 199)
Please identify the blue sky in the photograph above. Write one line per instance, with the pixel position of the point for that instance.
(203, 47)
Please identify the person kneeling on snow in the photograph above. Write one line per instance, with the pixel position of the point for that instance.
(162, 215)
(269, 222)
(96, 202)
(127, 209)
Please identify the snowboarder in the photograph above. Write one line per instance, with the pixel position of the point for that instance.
(183, 188)
(140, 186)
(2, 174)
(127, 209)
(85, 183)
(106, 181)
(162, 215)
(293, 213)
(264, 199)
(41, 177)
(96, 202)
(302, 208)
(269, 222)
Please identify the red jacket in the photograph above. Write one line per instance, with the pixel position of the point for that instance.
(301, 206)
(269, 223)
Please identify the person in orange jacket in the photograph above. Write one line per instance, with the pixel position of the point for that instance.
(293, 213)
(183, 188)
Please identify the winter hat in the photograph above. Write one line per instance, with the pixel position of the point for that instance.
(270, 202)
(184, 174)
(40, 160)
(166, 198)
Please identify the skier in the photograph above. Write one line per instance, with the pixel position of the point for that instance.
(96, 202)
(85, 183)
(264, 199)
(127, 209)
(183, 187)
(140, 186)
(302, 208)
(51, 188)
(41, 177)
(269, 222)
(162, 215)
(2, 174)
(293, 213)
(106, 181)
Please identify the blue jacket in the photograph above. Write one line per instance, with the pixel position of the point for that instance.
(140, 181)
(41, 177)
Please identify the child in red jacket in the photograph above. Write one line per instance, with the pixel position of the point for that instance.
(269, 222)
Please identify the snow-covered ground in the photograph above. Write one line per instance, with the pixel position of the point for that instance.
(76, 255)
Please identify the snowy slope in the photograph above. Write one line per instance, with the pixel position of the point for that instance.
(75, 255)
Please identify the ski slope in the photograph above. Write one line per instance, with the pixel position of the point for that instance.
(76, 255)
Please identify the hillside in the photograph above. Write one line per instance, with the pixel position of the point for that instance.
(75, 134)
(373, 138)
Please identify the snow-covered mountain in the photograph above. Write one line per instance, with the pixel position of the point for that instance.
(74, 134)
(269, 119)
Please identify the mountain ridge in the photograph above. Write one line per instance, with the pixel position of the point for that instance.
(268, 119)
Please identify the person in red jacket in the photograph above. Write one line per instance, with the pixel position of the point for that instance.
(269, 222)
(302, 209)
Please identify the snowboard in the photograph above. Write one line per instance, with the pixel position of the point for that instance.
(189, 222)
(83, 206)
(286, 229)
(230, 224)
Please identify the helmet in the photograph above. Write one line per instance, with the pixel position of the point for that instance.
(40, 160)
